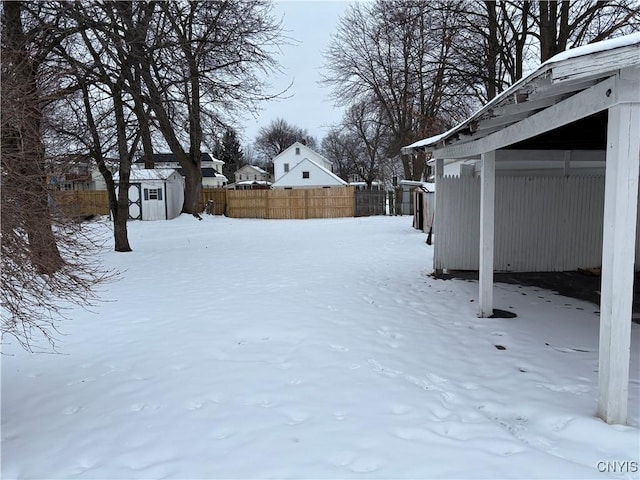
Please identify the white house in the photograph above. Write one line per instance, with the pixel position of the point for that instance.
(211, 167)
(309, 174)
(582, 105)
(251, 177)
(293, 155)
(154, 194)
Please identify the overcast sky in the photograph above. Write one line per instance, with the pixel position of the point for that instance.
(312, 23)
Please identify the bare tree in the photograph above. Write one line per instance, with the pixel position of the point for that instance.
(342, 148)
(498, 40)
(367, 124)
(44, 254)
(204, 71)
(564, 24)
(397, 53)
(279, 135)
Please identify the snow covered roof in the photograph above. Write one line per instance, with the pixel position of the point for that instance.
(253, 182)
(258, 169)
(143, 174)
(557, 79)
(426, 186)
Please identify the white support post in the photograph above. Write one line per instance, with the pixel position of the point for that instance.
(439, 173)
(618, 253)
(487, 207)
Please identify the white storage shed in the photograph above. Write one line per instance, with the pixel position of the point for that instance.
(154, 194)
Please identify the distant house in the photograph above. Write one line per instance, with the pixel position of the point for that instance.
(293, 155)
(79, 175)
(251, 177)
(301, 167)
(211, 167)
(154, 194)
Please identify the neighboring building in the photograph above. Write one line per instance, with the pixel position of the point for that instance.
(154, 194)
(287, 160)
(79, 175)
(251, 177)
(308, 174)
(211, 167)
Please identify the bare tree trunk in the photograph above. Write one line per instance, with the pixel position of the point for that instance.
(492, 49)
(122, 211)
(24, 144)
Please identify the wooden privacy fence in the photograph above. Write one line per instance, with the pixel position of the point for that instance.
(271, 204)
(291, 204)
(82, 203)
(217, 195)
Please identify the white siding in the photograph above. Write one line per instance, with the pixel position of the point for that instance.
(175, 196)
(541, 223)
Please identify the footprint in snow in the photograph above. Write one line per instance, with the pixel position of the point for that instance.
(297, 418)
(340, 348)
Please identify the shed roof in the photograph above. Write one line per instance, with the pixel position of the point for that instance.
(563, 76)
(143, 174)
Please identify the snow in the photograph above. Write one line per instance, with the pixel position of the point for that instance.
(604, 45)
(143, 174)
(309, 349)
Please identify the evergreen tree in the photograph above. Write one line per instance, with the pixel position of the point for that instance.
(230, 152)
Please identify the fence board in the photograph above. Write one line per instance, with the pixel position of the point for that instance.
(274, 204)
(219, 197)
(291, 204)
(81, 203)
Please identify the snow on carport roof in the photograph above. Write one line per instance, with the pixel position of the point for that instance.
(542, 71)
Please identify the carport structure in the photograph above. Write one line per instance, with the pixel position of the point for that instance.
(587, 98)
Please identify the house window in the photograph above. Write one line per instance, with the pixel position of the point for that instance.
(286, 167)
(297, 150)
(153, 194)
(305, 174)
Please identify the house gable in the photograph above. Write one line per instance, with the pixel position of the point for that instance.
(293, 155)
(308, 174)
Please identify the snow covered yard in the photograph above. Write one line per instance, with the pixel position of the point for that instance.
(310, 349)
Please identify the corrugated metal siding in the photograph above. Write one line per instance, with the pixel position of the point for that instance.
(541, 223)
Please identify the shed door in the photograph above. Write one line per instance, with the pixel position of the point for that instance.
(135, 202)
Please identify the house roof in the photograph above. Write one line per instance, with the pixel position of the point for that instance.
(301, 145)
(300, 165)
(253, 182)
(563, 77)
(254, 167)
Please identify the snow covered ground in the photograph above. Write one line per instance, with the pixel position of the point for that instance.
(310, 349)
